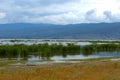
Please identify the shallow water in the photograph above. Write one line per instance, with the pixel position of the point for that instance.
(78, 56)
(35, 59)
(39, 59)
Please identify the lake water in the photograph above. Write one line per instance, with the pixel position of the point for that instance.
(36, 59)
(43, 59)
(75, 57)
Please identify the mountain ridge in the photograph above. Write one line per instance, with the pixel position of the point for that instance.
(51, 31)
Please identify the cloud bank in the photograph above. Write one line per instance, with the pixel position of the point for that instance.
(59, 11)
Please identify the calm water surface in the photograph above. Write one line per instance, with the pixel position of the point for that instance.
(42, 59)
(36, 59)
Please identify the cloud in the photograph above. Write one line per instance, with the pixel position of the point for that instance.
(64, 18)
(2, 15)
(90, 15)
(59, 11)
(108, 15)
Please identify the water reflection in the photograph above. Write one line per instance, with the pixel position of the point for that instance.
(43, 51)
(58, 52)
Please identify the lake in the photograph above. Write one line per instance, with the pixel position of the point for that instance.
(76, 51)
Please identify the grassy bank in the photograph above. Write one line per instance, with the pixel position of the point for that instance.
(88, 70)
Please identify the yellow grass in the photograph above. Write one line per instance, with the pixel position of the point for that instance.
(88, 70)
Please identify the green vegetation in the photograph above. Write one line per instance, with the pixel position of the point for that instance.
(15, 40)
(44, 50)
(6, 63)
(96, 48)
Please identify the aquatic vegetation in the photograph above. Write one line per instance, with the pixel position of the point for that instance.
(46, 51)
(92, 69)
(96, 48)
(43, 50)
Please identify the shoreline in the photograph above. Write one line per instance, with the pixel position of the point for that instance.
(86, 70)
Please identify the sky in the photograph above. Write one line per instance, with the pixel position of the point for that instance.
(59, 11)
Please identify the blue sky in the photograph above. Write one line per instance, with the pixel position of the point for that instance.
(59, 11)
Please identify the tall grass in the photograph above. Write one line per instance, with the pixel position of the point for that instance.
(43, 50)
(47, 51)
(96, 48)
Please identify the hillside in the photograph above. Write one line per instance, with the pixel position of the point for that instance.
(50, 31)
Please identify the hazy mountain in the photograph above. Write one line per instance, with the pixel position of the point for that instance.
(71, 31)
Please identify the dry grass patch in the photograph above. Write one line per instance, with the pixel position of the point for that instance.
(88, 70)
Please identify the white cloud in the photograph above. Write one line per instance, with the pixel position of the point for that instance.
(64, 18)
(60, 11)
(2, 15)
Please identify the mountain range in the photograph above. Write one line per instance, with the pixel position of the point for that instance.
(51, 31)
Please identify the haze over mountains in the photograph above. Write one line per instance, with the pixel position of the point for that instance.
(50, 31)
